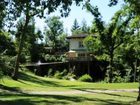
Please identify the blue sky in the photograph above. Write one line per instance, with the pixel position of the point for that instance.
(79, 14)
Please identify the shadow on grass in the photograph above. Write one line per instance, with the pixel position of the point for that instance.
(33, 79)
(24, 78)
(26, 99)
(27, 79)
(10, 89)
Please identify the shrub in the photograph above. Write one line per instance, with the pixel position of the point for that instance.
(7, 65)
(65, 72)
(50, 73)
(61, 75)
(1, 74)
(69, 76)
(85, 78)
(58, 75)
(117, 79)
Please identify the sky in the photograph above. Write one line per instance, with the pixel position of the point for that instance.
(80, 14)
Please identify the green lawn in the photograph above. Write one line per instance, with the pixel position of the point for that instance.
(30, 82)
(88, 99)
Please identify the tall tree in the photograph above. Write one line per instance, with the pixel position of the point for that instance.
(133, 4)
(32, 36)
(75, 27)
(112, 36)
(135, 25)
(93, 44)
(2, 12)
(63, 42)
(84, 27)
(53, 31)
(31, 8)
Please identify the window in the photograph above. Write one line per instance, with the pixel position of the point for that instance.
(81, 44)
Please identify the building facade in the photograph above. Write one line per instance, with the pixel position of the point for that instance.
(77, 51)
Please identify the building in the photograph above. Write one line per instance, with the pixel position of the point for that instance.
(77, 51)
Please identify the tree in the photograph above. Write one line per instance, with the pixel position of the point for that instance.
(2, 12)
(7, 44)
(133, 4)
(31, 8)
(84, 27)
(93, 44)
(135, 26)
(75, 27)
(112, 36)
(63, 42)
(30, 44)
(53, 31)
(7, 53)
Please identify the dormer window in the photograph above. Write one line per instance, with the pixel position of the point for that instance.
(81, 44)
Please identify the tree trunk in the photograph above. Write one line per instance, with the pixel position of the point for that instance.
(138, 98)
(110, 68)
(15, 72)
(135, 70)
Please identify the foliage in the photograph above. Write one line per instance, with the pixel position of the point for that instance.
(55, 58)
(63, 44)
(65, 72)
(6, 44)
(7, 64)
(84, 27)
(75, 27)
(70, 76)
(58, 75)
(31, 47)
(54, 34)
(111, 36)
(61, 75)
(50, 73)
(85, 78)
(93, 44)
(2, 12)
(7, 52)
(133, 4)
(29, 9)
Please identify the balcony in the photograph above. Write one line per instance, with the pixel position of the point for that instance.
(79, 56)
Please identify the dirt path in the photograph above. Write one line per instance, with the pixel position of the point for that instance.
(81, 92)
(71, 92)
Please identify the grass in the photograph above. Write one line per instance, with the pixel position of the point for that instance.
(87, 99)
(30, 82)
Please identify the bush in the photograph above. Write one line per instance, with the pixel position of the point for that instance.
(69, 76)
(64, 73)
(117, 79)
(1, 74)
(50, 73)
(7, 65)
(85, 78)
(55, 58)
(58, 75)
